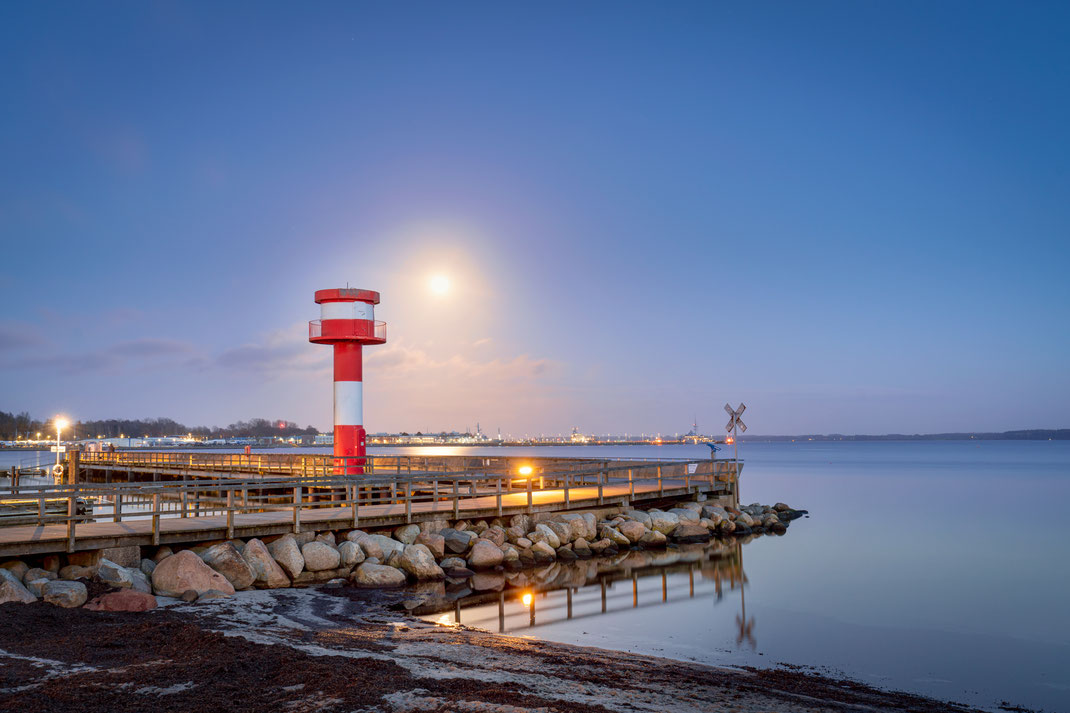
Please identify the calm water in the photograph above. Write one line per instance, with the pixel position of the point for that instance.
(936, 567)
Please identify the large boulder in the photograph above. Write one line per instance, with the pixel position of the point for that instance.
(124, 600)
(663, 522)
(350, 553)
(141, 581)
(225, 559)
(35, 573)
(575, 523)
(65, 594)
(653, 539)
(321, 576)
(320, 556)
(614, 536)
(690, 532)
(633, 530)
(457, 541)
(377, 575)
(407, 534)
(484, 555)
(418, 561)
(547, 535)
(37, 586)
(686, 514)
(564, 531)
(521, 521)
(495, 535)
(638, 516)
(185, 571)
(434, 542)
(387, 545)
(287, 553)
(267, 574)
(369, 546)
(16, 567)
(114, 575)
(12, 590)
(542, 552)
(77, 571)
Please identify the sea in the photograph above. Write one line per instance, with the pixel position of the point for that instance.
(936, 567)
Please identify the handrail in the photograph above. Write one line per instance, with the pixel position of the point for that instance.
(231, 497)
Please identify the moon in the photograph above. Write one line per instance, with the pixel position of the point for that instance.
(440, 284)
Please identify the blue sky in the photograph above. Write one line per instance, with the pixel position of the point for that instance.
(852, 216)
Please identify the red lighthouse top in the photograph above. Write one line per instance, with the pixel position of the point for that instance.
(347, 315)
(347, 294)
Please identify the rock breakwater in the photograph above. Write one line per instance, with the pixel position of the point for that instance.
(428, 551)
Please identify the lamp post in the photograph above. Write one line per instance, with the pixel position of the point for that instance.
(61, 423)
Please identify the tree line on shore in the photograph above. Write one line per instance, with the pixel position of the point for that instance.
(22, 425)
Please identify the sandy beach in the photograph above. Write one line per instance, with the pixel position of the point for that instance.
(351, 650)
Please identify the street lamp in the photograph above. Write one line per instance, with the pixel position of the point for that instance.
(61, 423)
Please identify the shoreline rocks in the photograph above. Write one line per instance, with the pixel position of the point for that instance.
(478, 555)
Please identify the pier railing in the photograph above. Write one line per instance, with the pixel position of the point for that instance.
(324, 497)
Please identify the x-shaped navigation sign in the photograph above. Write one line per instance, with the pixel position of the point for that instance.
(734, 419)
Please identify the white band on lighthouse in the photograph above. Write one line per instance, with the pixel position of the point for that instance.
(347, 310)
(348, 403)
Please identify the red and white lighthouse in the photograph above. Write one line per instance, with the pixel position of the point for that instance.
(347, 321)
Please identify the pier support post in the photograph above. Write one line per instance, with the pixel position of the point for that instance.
(297, 509)
(155, 518)
(71, 510)
(230, 514)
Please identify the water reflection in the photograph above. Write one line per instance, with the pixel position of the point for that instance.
(512, 602)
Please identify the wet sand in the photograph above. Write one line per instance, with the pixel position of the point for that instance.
(349, 650)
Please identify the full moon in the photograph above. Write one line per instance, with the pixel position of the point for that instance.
(440, 284)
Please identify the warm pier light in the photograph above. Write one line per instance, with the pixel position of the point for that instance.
(61, 423)
(525, 470)
(526, 599)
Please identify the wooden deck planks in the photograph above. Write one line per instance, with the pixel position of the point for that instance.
(28, 539)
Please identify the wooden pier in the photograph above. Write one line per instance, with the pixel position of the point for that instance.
(183, 498)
